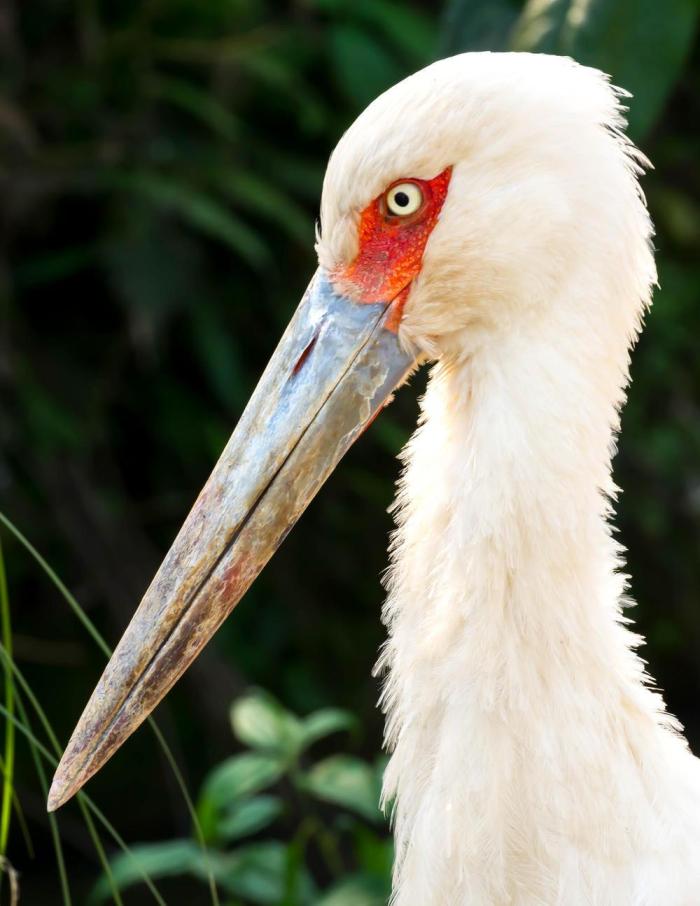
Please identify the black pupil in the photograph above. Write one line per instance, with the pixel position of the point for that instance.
(401, 199)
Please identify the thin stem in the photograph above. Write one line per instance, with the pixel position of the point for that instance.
(44, 752)
(48, 729)
(21, 820)
(198, 832)
(119, 840)
(72, 602)
(43, 783)
(6, 868)
(9, 759)
(104, 647)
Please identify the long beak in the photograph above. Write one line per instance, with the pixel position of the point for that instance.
(334, 368)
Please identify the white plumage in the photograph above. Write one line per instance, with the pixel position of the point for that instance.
(533, 764)
(532, 761)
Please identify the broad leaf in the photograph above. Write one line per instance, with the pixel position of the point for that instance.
(642, 44)
(240, 776)
(346, 781)
(375, 854)
(220, 357)
(357, 890)
(155, 860)
(362, 65)
(197, 208)
(200, 104)
(259, 196)
(477, 25)
(409, 29)
(325, 722)
(248, 817)
(258, 873)
(261, 722)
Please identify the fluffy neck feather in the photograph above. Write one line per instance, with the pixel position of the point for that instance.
(531, 763)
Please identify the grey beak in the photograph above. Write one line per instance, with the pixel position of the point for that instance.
(334, 368)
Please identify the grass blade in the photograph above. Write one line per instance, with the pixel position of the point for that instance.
(53, 576)
(48, 729)
(9, 759)
(104, 647)
(25, 727)
(21, 820)
(199, 833)
(41, 749)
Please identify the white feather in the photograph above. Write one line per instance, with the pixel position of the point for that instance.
(532, 762)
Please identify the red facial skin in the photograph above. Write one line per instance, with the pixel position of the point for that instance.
(391, 248)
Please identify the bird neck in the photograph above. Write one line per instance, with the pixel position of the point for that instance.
(502, 513)
(508, 662)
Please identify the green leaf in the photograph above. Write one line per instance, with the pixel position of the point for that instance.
(240, 776)
(229, 49)
(391, 433)
(357, 890)
(55, 266)
(362, 66)
(220, 357)
(410, 30)
(50, 425)
(258, 873)
(677, 216)
(262, 198)
(249, 817)
(477, 25)
(197, 102)
(261, 722)
(154, 267)
(325, 722)
(302, 176)
(284, 79)
(195, 207)
(641, 44)
(156, 860)
(374, 854)
(346, 781)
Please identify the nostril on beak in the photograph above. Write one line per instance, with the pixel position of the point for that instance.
(301, 361)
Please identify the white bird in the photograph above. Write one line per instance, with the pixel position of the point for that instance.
(487, 212)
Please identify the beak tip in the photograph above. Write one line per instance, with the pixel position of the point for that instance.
(63, 787)
(57, 796)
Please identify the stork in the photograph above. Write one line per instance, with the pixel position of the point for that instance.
(485, 215)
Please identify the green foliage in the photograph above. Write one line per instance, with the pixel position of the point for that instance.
(247, 816)
(477, 25)
(230, 809)
(348, 782)
(8, 759)
(256, 873)
(161, 166)
(358, 891)
(259, 721)
(642, 44)
(40, 753)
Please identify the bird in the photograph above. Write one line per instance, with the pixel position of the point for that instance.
(483, 216)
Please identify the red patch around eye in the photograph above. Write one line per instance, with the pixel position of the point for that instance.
(391, 247)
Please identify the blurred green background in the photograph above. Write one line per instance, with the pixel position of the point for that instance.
(160, 169)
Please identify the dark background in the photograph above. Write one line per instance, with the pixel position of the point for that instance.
(160, 171)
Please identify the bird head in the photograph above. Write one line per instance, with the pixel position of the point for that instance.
(541, 202)
(454, 211)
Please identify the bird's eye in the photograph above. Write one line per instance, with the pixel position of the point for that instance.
(404, 199)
